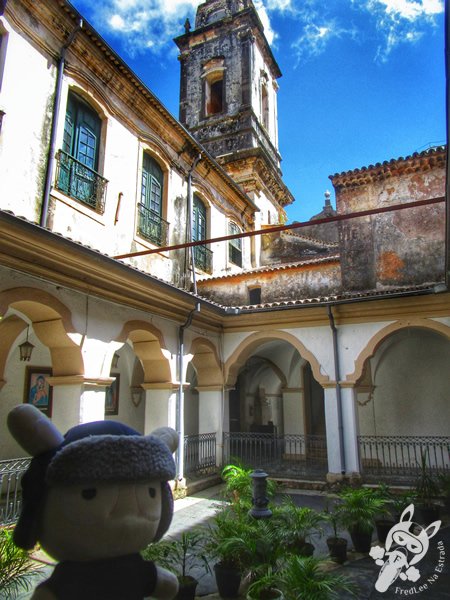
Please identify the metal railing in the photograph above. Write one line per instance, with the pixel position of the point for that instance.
(203, 258)
(80, 182)
(287, 455)
(200, 453)
(152, 226)
(400, 457)
(11, 472)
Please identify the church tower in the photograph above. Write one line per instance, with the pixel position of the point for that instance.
(228, 99)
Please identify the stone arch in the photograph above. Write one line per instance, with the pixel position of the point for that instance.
(206, 363)
(375, 342)
(51, 321)
(247, 347)
(149, 346)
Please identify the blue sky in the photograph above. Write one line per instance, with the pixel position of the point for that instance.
(363, 80)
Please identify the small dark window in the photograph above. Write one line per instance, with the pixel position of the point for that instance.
(234, 246)
(254, 295)
(216, 102)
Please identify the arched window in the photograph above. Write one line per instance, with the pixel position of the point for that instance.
(202, 255)
(265, 106)
(78, 161)
(151, 225)
(234, 246)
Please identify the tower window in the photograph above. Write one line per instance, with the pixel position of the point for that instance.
(265, 106)
(214, 96)
(214, 87)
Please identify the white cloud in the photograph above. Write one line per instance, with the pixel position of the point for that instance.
(401, 21)
(150, 25)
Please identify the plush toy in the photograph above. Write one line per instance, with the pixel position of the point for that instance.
(94, 499)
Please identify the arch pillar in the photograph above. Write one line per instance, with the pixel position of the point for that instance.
(160, 406)
(349, 467)
(77, 399)
(293, 411)
(210, 412)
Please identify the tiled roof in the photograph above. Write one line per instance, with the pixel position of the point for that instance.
(415, 162)
(275, 268)
(336, 298)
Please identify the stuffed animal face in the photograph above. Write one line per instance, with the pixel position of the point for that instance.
(99, 520)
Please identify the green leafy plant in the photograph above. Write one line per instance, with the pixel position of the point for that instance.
(266, 586)
(185, 557)
(296, 525)
(239, 485)
(307, 577)
(16, 567)
(359, 507)
(398, 502)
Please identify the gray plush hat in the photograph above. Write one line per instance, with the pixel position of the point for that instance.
(103, 451)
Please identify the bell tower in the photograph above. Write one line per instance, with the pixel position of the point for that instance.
(228, 98)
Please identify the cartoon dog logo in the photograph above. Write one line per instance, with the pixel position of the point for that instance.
(406, 544)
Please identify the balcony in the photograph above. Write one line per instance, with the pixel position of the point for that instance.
(80, 182)
(203, 258)
(152, 226)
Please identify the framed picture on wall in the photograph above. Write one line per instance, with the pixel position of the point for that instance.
(112, 397)
(37, 389)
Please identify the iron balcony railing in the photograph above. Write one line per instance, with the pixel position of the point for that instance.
(152, 226)
(400, 457)
(280, 455)
(11, 472)
(78, 181)
(200, 454)
(203, 258)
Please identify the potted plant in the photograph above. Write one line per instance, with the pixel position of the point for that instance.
(427, 490)
(384, 520)
(358, 509)
(337, 545)
(226, 545)
(296, 525)
(307, 578)
(186, 557)
(17, 569)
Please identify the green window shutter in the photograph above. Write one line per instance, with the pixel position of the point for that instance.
(199, 220)
(152, 185)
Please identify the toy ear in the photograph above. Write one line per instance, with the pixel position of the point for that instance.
(407, 513)
(33, 430)
(432, 529)
(167, 435)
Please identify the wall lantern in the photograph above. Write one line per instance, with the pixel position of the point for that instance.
(115, 360)
(26, 349)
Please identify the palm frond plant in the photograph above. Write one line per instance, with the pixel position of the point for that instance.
(308, 578)
(239, 485)
(296, 525)
(17, 569)
(266, 586)
(358, 509)
(444, 488)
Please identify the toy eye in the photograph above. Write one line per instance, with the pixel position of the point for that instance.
(152, 492)
(89, 493)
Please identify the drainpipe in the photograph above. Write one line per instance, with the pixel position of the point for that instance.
(55, 118)
(180, 403)
(189, 219)
(337, 376)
